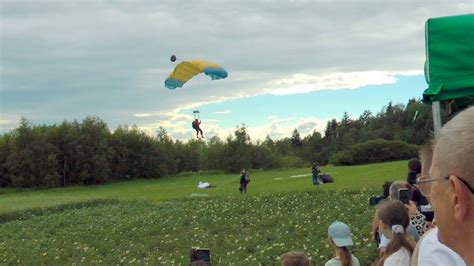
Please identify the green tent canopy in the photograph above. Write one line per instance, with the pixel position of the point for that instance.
(449, 66)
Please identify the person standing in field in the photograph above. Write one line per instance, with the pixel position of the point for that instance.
(244, 181)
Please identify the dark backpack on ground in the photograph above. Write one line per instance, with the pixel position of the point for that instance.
(326, 178)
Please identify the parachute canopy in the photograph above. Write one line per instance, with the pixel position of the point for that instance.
(184, 71)
(196, 114)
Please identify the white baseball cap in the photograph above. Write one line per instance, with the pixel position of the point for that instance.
(340, 233)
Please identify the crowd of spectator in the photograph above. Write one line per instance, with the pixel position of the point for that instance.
(435, 227)
(434, 224)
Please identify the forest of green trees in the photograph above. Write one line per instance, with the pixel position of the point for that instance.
(88, 152)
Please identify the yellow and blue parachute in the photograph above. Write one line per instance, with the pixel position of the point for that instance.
(184, 71)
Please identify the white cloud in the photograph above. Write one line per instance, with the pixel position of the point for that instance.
(307, 125)
(276, 119)
(280, 128)
(277, 128)
(75, 54)
(297, 83)
(143, 115)
(223, 112)
(7, 123)
(304, 83)
(213, 120)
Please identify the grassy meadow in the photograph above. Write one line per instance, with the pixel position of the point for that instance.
(157, 221)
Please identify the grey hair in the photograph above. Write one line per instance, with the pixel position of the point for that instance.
(395, 186)
(453, 152)
(426, 155)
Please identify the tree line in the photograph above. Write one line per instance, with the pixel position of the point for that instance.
(88, 152)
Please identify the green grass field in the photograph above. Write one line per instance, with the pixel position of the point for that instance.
(157, 221)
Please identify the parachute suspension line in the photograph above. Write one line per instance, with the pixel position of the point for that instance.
(196, 114)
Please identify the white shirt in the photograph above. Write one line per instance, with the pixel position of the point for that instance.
(337, 261)
(384, 241)
(400, 258)
(433, 253)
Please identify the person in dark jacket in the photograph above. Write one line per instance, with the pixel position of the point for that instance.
(196, 126)
(244, 181)
(315, 171)
(414, 172)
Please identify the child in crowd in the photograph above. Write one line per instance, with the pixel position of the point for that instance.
(294, 258)
(393, 221)
(340, 237)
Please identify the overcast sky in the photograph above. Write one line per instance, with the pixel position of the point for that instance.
(64, 60)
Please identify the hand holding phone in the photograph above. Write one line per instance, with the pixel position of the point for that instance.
(403, 195)
(412, 208)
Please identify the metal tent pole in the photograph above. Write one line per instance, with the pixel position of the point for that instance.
(436, 108)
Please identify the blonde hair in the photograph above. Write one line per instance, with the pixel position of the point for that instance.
(294, 258)
(344, 254)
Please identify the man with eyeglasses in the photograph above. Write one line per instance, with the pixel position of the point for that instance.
(449, 188)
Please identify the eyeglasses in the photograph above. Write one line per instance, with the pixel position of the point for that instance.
(425, 188)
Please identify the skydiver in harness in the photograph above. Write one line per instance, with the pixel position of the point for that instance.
(196, 127)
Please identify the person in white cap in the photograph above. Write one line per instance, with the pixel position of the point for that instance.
(340, 237)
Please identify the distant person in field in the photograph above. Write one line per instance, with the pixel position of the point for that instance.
(294, 258)
(244, 181)
(196, 126)
(340, 237)
(315, 168)
(315, 173)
